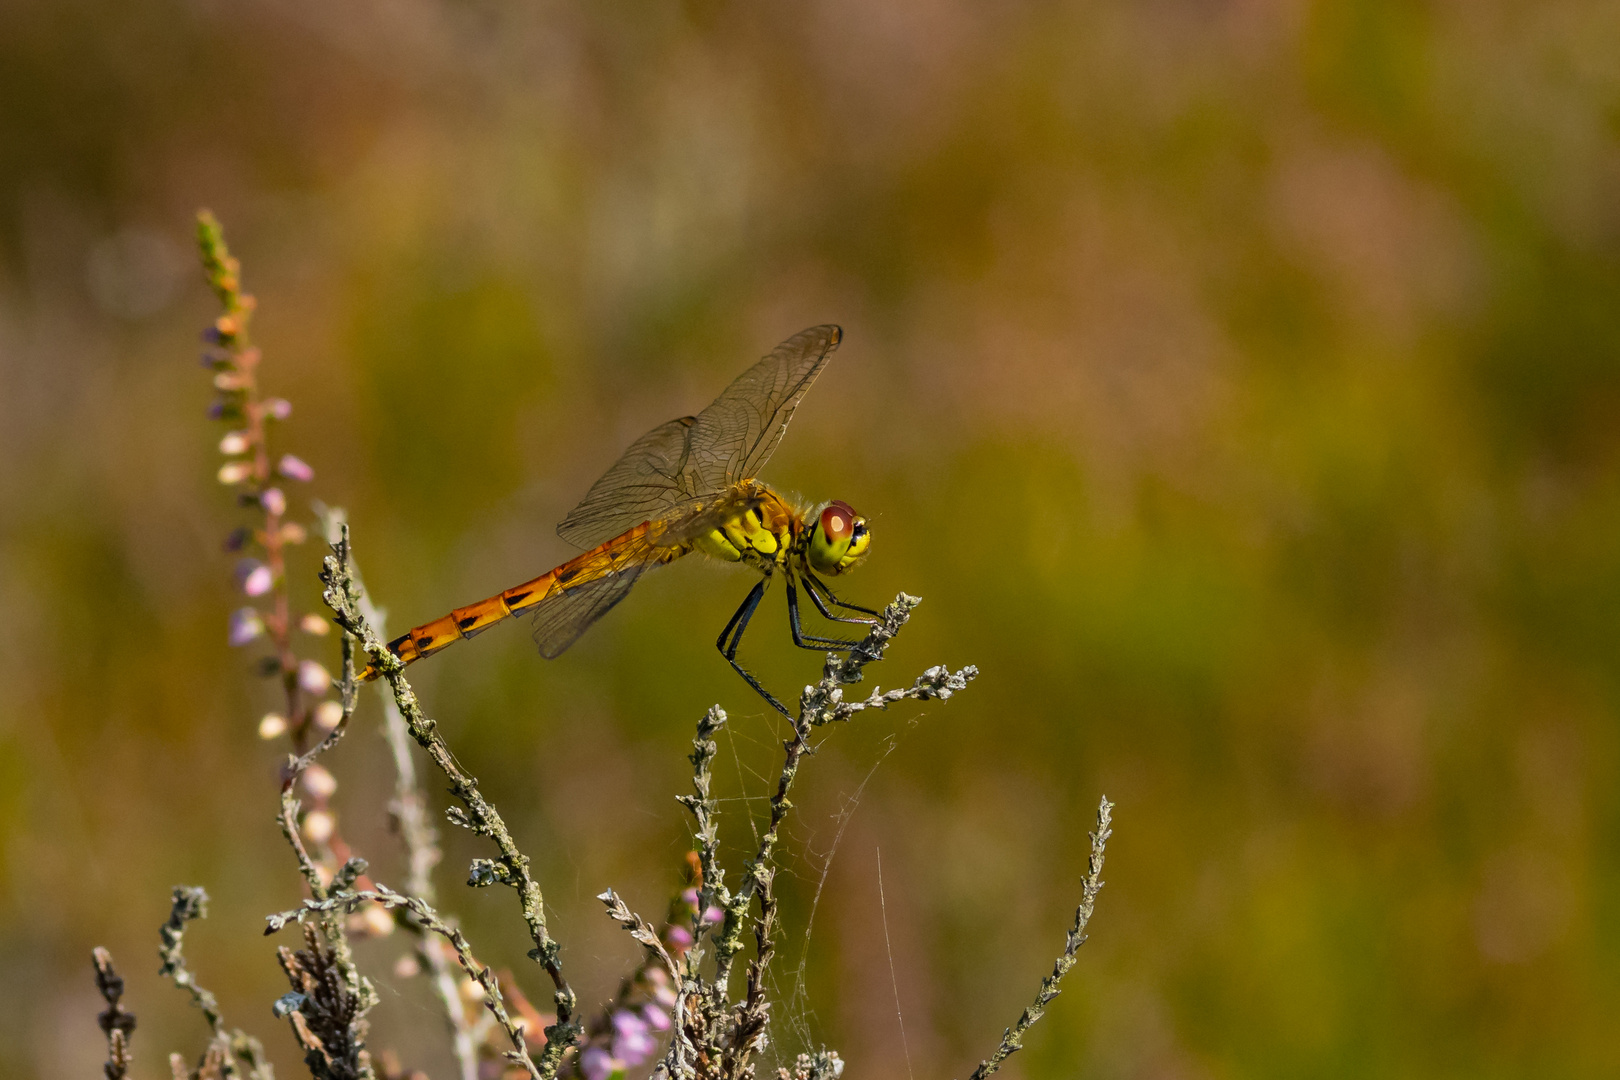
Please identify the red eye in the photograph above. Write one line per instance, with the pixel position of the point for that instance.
(838, 520)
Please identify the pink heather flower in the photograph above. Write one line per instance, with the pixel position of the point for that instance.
(319, 782)
(234, 442)
(314, 624)
(273, 501)
(655, 1017)
(278, 408)
(312, 678)
(665, 996)
(679, 937)
(234, 472)
(715, 915)
(632, 1042)
(319, 826)
(690, 898)
(254, 577)
(273, 725)
(328, 714)
(245, 626)
(597, 1064)
(295, 468)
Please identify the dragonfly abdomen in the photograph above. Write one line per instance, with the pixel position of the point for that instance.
(474, 619)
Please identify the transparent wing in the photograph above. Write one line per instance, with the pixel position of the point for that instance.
(679, 468)
(734, 437)
(559, 620)
(651, 482)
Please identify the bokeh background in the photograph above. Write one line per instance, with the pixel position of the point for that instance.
(1236, 380)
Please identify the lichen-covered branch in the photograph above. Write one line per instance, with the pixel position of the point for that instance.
(343, 900)
(342, 595)
(117, 1022)
(720, 1039)
(228, 1047)
(408, 812)
(1013, 1040)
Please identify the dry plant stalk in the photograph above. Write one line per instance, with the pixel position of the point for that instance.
(683, 984)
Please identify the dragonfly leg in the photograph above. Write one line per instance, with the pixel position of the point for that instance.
(817, 588)
(734, 630)
(807, 641)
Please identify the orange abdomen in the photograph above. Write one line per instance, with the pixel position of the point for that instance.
(465, 622)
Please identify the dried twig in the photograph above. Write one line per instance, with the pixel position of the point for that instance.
(512, 868)
(1013, 1040)
(409, 814)
(117, 1022)
(719, 1039)
(344, 900)
(228, 1046)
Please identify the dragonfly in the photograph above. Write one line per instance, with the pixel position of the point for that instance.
(690, 485)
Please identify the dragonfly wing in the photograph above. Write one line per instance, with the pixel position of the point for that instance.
(678, 468)
(651, 482)
(733, 438)
(559, 620)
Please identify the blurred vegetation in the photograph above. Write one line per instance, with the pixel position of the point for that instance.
(1237, 382)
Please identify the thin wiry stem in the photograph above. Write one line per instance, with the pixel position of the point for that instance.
(723, 1038)
(344, 901)
(409, 814)
(512, 868)
(117, 1022)
(1013, 1040)
(231, 1045)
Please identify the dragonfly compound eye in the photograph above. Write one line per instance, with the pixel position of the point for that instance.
(839, 539)
(838, 521)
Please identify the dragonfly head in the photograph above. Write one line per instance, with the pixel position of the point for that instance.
(839, 539)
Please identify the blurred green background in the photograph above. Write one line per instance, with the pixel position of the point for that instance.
(1236, 380)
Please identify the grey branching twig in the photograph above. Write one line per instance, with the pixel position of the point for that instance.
(228, 1047)
(342, 595)
(822, 1065)
(117, 1022)
(408, 813)
(1013, 1040)
(327, 1017)
(341, 900)
(719, 1038)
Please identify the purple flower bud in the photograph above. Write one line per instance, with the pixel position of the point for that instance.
(277, 408)
(597, 1064)
(211, 335)
(294, 468)
(216, 410)
(273, 501)
(690, 898)
(245, 626)
(237, 539)
(679, 937)
(312, 678)
(656, 1018)
(254, 577)
(632, 1042)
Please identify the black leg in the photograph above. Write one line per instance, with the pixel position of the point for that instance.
(812, 584)
(806, 641)
(734, 630)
